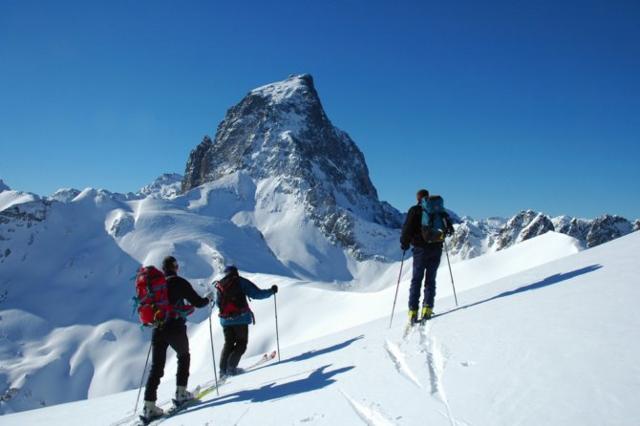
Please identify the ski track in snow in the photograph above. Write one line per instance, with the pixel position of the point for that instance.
(398, 358)
(369, 414)
(436, 361)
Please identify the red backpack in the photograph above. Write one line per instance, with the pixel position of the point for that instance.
(152, 297)
(231, 300)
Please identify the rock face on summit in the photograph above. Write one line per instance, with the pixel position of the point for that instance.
(282, 131)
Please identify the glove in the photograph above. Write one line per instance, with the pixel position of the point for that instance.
(404, 246)
(274, 289)
(209, 296)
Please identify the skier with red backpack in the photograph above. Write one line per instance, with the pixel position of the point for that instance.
(425, 228)
(235, 316)
(161, 304)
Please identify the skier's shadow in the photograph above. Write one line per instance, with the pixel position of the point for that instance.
(317, 379)
(311, 354)
(550, 280)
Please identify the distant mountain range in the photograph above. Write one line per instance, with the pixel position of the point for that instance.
(476, 237)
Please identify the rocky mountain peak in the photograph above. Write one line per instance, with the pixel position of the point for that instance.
(606, 228)
(294, 89)
(65, 195)
(281, 131)
(523, 226)
(4, 186)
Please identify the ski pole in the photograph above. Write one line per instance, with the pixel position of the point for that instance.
(135, 410)
(213, 353)
(451, 273)
(397, 288)
(275, 306)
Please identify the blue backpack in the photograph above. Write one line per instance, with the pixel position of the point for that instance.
(434, 219)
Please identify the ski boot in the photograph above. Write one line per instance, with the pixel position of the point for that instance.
(150, 412)
(413, 320)
(427, 313)
(182, 396)
(413, 317)
(235, 371)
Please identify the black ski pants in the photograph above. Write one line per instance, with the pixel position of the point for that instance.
(174, 334)
(235, 344)
(425, 267)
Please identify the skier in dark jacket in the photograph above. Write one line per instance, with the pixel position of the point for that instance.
(172, 333)
(426, 259)
(235, 316)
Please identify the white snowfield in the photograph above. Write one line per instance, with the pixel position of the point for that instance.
(552, 344)
(66, 326)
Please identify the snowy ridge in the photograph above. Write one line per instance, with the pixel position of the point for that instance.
(476, 237)
(485, 362)
(9, 199)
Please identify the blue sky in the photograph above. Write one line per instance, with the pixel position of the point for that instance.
(499, 106)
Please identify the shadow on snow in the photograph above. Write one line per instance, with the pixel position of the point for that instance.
(550, 280)
(311, 354)
(317, 379)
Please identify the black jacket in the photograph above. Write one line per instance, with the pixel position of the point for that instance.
(179, 289)
(411, 233)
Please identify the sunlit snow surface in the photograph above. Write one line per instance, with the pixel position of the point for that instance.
(553, 344)
(67, 331)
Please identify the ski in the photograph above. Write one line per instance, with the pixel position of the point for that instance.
(209, 387)
(199, 392)
(175, 409)
(411, 326)
(265, 358)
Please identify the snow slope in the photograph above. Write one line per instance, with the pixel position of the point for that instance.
(553, 344)
(83, 341)
(66, 268)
